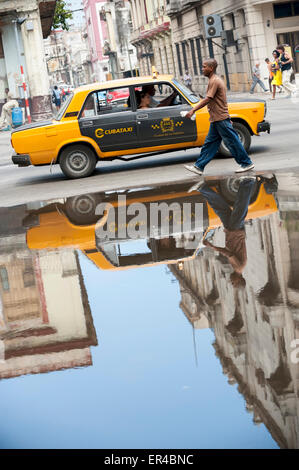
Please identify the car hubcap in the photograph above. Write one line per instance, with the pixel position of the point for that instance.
(78, 161)
(84, 205)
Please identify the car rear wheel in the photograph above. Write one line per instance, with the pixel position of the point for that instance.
(77, 161)
(244, 136)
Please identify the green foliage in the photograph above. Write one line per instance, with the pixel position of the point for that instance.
(62, 15)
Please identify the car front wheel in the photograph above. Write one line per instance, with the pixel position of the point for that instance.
(244, 136)
(77, 161)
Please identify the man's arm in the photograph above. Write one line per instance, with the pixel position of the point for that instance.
(287, 56)
(168, 101)
(220, 249)
(200, 105)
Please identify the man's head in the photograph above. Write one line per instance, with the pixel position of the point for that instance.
(257, 64)
(150, 89)
(209, 67)
(6, 91)
(280, 49)
(55, 87)
(267, 61)
(237, 280)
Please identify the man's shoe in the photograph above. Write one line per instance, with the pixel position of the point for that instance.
(196, 186)
(242, 169)
(194, 169)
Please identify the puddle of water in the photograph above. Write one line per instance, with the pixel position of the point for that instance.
(121, 328)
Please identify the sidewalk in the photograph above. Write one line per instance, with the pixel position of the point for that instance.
(5, 148)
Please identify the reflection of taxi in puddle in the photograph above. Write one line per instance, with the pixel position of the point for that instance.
(75, 224)
(103, 121)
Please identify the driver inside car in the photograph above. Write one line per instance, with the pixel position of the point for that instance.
(151, 90)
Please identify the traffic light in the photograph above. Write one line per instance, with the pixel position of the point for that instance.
(212, 26)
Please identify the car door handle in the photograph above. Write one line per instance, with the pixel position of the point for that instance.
(87, 123)
(142, 116)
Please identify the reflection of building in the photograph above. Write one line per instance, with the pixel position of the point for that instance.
(45, 318)
(254, 327)
(152, 36)
(257, 26)
(34, 23)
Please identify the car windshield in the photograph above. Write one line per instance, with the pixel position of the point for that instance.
(64, 107)
(186, 91)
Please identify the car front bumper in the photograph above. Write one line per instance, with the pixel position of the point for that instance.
(21, 159)
(264, 126)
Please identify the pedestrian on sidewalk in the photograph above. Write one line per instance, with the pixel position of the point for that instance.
(271, 74)
(188, 80)
(256, 79)
(56, 97)
(277, 75)
(286, 69)
(6, 114)
(221, 127)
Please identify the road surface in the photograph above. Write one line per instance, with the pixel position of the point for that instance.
(277, 152)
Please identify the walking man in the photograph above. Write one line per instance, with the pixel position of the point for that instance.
(188, 80)
(221, 127)
(256, 79)
(286, 68)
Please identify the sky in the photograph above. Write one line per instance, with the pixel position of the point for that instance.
(144, 389)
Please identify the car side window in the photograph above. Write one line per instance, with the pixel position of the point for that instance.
(114, 100)
(159, 95)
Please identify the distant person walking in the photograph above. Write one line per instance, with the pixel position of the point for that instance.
(277, 75)
(221, 127)
(188, 80)
(6, 114)
(56, 97)
(256, 78)
(286, 68)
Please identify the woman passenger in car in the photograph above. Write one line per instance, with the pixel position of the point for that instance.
(143, 100)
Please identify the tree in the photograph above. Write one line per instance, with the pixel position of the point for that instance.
(62, 15)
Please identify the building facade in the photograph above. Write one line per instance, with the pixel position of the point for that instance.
(68, 57)
(151, 36)
(23, 25)
(257, 27)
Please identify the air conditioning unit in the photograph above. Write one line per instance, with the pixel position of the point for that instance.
(212, 26)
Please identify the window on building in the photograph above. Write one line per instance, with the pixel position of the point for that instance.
(195, 70)
(114, 100)
(199, 55)
(179, 58)
(184, 48)
(242, 17)
(4, 278)
(284, 10)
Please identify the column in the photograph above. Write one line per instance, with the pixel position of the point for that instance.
(37, 74)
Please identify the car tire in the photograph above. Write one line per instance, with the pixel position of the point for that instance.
(77, 161)
(81, 210)
(228, 188)
(245, 138)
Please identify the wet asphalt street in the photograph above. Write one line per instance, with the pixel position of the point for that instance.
(275, 152)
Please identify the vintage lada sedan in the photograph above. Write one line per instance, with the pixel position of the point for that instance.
(109, 120)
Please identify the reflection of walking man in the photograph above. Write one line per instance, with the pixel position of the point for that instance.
(256, 78)
(6, 114)
(233, 220)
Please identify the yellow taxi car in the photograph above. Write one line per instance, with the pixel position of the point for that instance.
(104, 121)
(74, 224)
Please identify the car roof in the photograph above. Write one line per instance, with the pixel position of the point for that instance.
(123, 82)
